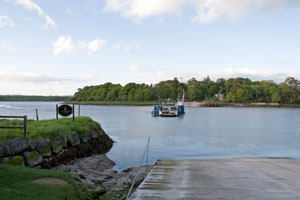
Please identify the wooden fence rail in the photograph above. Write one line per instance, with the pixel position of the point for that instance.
(16, 127)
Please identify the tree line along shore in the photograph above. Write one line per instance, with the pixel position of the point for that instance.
(226, 92)
(233, 90)
(33, 98)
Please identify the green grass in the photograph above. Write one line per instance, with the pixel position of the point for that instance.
(125, 103)
(16, 183)
(47, 129)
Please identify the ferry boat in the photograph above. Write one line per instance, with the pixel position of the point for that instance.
(169, 110)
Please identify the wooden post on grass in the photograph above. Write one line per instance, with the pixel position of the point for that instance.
(37, 114)
(25, 126)
(73, 113)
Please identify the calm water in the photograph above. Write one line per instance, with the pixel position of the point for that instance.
(201, 133)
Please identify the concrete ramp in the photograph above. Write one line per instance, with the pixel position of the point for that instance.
(224, 179)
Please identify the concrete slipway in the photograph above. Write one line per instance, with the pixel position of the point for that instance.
(230, 179)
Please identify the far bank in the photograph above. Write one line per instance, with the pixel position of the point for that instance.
(187, 104)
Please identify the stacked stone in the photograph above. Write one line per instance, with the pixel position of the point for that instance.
(45, 153)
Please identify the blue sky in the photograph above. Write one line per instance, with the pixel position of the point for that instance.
(54, 47)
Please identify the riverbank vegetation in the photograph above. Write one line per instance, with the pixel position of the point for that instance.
(124, 103)
(18, 182)
(47, 129)
(32, 98)
(233, 90)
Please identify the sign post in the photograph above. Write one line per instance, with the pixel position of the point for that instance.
(65, 110)
(73, 111)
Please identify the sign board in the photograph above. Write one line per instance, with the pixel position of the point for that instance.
(65, 110)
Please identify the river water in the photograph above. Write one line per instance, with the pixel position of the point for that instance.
(202, 133)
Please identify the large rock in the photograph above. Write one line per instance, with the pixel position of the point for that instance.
(14, 147)
(93, 134)
(14, 160)
(90, 170)
(98, 172)
(100, 132)
(56, 146)
(97, 145)
(62, 157)
(32, 158)
(73, 140)
(85, 138)
(84, 150)
(32, 144)
(101, 144)
(44, 148)
(62, 140)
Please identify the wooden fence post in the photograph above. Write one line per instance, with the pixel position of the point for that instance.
(73, 113)
(25, 126)
(37, 114)
(56, 111)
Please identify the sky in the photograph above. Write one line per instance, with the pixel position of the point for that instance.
(55, 47)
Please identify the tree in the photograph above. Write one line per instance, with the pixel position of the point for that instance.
(235, 89)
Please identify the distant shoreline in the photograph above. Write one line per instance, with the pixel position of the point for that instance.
(187, 104)
(113, 103)
(33, 98)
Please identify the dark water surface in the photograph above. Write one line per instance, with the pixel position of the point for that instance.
(201, 133)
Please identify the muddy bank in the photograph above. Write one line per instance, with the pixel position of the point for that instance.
(107, 183)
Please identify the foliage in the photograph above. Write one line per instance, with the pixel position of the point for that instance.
(16, 182)
(16, 160)
(48, 129)
(32, 98)
(135, 103)
(241, 90)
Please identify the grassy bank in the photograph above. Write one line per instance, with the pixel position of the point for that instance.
(123, 103)
(47, 129)
(16, 182)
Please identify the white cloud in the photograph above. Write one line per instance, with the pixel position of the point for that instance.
(116, 47)
(205, 10)
(49, 21)
(133, 48)
(30, 5)
(7, 68)
(253, 74)
(63, 44)
(40, 83)
(96, 45)
(29, 77)
(69, 10)
(162, 75)
(6, 21)
(128, 48)
(135, 67)
(161, 19)
(8, 47)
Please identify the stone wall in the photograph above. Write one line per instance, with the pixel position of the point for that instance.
(46, 153)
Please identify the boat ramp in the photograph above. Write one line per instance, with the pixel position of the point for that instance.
(226, 179)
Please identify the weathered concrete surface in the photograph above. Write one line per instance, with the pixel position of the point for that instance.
(222, 179)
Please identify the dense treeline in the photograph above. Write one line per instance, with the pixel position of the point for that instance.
(241, 90)
(33, 98)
